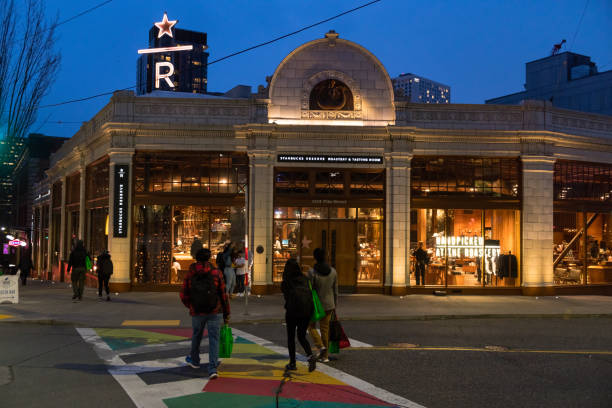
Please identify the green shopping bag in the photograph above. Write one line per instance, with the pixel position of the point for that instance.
(88, 264)
(226, 342)
(334, 347)
(318, 312)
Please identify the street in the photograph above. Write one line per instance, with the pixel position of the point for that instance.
(467, 362)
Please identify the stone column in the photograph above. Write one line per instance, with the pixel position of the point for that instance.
(537, 225)
(47, 262)
(261, 190)
(397, 216)
(120, 247)
(64, 240)
(82, 211)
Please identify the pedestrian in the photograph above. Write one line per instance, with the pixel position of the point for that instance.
(76, 264)
(204, 294)
(298, 309)
(105, 270)
(25, 266)
(325, 283)
(196, 245)
(174, 270)
(421, 258)
(228, 269)
(241, 267)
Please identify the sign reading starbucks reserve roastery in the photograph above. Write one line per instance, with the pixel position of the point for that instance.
(120, 215)
(326, 158)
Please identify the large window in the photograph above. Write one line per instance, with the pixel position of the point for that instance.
(96, 196)
(582, 181)
(204, 172)
(460, 176)
(467, 247)
(167, 234)
(345, 183)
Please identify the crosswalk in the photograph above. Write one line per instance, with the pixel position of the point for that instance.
(149, 365)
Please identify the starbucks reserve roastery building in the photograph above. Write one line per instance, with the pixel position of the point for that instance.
(506, 199)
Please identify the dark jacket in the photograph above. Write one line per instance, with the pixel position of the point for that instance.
(295, 287)
(105, 265)
(77, 258)
(25, 265)
(223, 302)
(421, 256)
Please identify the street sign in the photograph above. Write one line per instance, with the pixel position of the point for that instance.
(9, 288)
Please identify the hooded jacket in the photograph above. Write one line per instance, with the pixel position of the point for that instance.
(325, 282)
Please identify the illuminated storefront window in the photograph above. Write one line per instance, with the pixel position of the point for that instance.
(319, 216)
(96, 204)
(583, 198)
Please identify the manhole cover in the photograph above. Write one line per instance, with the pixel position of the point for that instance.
(403, 345)
(496, 348)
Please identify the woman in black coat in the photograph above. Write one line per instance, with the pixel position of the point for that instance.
(299, 308)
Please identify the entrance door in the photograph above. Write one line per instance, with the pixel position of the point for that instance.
(338, 238)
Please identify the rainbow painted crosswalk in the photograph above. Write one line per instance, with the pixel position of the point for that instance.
(149, 365)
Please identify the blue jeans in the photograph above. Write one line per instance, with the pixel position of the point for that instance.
(230, 279)
(198, 323)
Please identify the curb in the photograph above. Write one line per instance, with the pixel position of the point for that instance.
(56, 322)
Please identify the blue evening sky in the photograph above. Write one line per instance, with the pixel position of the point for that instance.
(479, 48)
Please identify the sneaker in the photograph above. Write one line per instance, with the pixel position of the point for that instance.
(323, 360)
(213, 376)
(291, 367)
(108, 298)
(190, 362)
(312, 363)
(322, 353)
(74, 297)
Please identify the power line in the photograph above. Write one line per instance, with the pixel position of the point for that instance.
(225, 57)
(89, 10)
(579, 24)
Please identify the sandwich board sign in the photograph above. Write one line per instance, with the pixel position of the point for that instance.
(9, 288)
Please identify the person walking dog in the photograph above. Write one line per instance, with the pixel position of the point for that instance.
(325, 282)
(299, 307)
(204, 295)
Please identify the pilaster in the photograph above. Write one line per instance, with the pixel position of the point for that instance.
(82, 197)
(261, 190)
(537, 224)
(397, 216)
(64, 240)
(120, 247)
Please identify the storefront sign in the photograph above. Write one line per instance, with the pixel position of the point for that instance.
(325, 158)
(120, 214)
(9, 289)
(17, 243)
(466, 247)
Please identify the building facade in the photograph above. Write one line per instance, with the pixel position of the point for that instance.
(417, 89)
(326, 157)
(568, 81)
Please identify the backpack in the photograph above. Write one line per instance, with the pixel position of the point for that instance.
(299, 301)
(220, 261)
(203, 294)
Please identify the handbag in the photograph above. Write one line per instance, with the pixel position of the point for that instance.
(88, 264)
(318, 312)
(337, 334)
(226, 342)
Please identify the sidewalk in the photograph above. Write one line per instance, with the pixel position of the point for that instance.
(50, 303)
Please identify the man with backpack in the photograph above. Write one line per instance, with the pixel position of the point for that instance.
(204, 294)
(299, 307)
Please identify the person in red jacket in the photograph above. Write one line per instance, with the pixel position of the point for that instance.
(204, 294)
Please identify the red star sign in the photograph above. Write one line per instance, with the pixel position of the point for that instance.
(165, 26)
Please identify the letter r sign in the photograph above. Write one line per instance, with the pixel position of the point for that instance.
(166, 76)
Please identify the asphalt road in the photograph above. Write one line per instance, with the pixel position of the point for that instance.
(505, 362)
(543, 375)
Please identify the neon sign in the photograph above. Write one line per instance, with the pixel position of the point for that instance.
(17, 243)
(165, 28)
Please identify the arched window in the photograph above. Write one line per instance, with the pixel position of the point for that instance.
(331, 94)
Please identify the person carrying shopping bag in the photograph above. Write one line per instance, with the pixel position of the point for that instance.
(325, 283)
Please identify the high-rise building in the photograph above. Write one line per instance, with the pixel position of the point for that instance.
(190, 67)
(10, 151)
(568, 80)
(418, 89)
(29, 169)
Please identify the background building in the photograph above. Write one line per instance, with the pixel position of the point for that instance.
(190, 67)
(417, 89)
(568, 80)
(29, 169)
